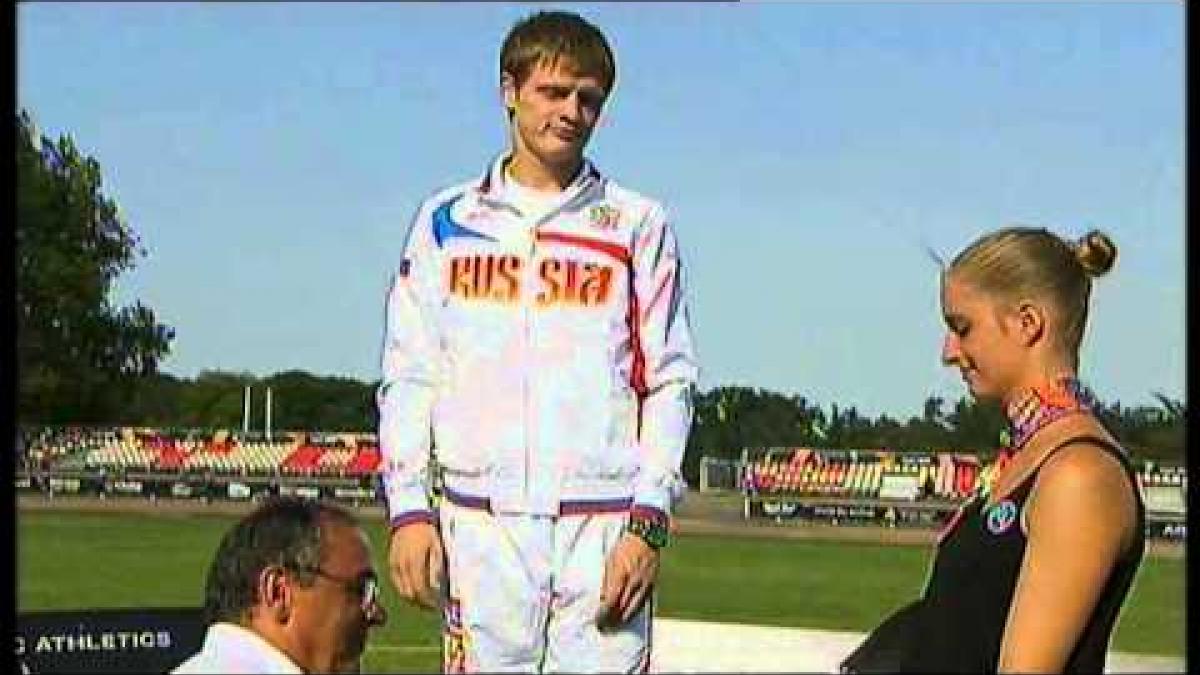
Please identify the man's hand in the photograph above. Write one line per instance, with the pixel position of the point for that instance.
(416, 560)
(629, 575)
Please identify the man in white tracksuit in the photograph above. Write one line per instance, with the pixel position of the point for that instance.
(537, 344)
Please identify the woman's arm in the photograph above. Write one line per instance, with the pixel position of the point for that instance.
(1080, 518)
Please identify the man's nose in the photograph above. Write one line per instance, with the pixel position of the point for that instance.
(572, 108)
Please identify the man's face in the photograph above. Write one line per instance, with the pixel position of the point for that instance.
(332, 616)
(554, 111)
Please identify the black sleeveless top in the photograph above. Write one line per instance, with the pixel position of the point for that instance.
(958, 624)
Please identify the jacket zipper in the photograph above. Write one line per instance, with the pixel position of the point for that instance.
(527, 358)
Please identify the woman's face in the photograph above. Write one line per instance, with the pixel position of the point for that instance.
(980, 340)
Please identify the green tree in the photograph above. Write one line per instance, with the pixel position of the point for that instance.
(303, 401)
(214, 400)
(1149, 432)
(157, 401)
(78, 355)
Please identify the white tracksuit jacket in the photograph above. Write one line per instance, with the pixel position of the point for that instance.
(548, 363)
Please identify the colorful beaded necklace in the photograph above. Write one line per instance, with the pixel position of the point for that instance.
(1027, 414)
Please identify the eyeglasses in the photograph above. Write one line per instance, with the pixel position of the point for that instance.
(364, 586)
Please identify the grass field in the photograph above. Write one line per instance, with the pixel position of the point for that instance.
(92, 560)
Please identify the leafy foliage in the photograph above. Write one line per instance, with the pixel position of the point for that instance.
(75, 349)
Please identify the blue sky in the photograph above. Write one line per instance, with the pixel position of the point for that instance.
(271, 155)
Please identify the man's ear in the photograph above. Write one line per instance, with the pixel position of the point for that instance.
(508, 91)
(275, 595)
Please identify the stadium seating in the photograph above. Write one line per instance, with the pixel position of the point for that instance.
(124, 450)
(366, 461)
(167, 453)
(811, 472)
(860, 473)
(303, 460)
(62, 448)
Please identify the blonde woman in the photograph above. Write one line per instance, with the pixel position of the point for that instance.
(1030, 574)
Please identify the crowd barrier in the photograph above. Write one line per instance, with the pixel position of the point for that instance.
(358, 491)
(900, 489)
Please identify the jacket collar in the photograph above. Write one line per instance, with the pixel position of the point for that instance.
(491, 188)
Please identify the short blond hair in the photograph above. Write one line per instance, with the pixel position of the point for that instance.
(1021, 262)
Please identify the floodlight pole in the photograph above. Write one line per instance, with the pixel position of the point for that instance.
(268, 414)
(246, 412)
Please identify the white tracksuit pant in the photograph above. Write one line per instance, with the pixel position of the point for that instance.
(524, 591)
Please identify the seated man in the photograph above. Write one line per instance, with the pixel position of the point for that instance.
(291, 590)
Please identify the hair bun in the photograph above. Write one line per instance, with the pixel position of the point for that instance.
(1096, 253)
